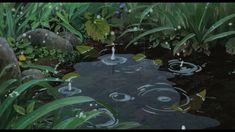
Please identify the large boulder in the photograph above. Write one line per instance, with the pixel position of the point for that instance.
(71, 38)
(45, 38)
(8, 58)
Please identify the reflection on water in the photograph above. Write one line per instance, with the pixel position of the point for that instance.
(143, 96)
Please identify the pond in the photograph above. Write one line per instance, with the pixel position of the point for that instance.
(142, 91)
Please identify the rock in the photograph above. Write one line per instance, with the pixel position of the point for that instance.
(71, 38)
(32, 74)
(45, 38)
(7, 57)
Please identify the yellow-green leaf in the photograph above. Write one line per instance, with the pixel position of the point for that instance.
(157, 62)
(19, 109)
(202, 94)
(30, 107)
(83, 49)
(139, 57)
(70, 75)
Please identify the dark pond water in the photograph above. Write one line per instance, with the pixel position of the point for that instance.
(141, 91)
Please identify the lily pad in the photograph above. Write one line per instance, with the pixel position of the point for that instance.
(157, 62)
(84, 49)
(70, 75)
(139, 57)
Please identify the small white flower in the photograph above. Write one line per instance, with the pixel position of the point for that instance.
(184, 44)
(21, 13)
(76, 115)
(57, 32)
(5, 95)
(81, 114)
(24, 34)
(135, 43)
(96, 104)
(151, 10)
(102, 18)
(90, 105)
(98, 16)
(22, 53)
(57, 79)
(112, 33)
(44, 41)
(46, 34)
(148, 15)
(230, 24)
(175, 29)
(142, 29)
(106, 34)
(22, 7)
(35, 59)
(166, 42)
(19, 24)
(13, 9)
(47, 71)
(179, 27)
(94, 21)
(129, 10)
(135, 28)
(56, 8)
(29, 36)
(184, 51)
(183, 127)
(50, 6)
(178, 54)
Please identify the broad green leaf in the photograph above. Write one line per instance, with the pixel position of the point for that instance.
(50, 89)
(157, 62)
(230, 46)
(74, 122)
(69, 75)
(126, 125)
(97, 29)
(218, 36)
(19, 109)
(139, 57)
(179, 44)
(158, 29)
(146, 11)
(83, 49)
(29, 50)
(128, 31)
(30, 118)
(30, 107)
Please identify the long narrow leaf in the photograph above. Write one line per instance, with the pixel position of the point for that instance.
(149, 32)
(45, 109)
(189, 36)
(74, 122)
(218, 36)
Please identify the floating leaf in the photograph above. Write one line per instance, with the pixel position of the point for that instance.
(157, 62)
(83, 49)
(139, 57)
(70, 75)
(202, 94)
(19, 109)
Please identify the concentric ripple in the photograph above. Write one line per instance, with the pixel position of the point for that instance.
(121, 97)
(107, 117)
(183, 68)
(118, 60)
(65, 91)
(160, 96)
